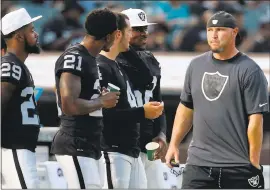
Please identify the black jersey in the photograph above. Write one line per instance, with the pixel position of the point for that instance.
(20, 124)
(145, 74)
(121, 124)
(80, 134)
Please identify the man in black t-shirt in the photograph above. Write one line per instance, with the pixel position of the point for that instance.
(225, 96)
(80, 101)
(20, 119)
(121, 131)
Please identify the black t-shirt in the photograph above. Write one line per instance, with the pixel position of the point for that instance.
(121, 123)
(224, 93)
(145, 74)
(20, 124)
(84, 130)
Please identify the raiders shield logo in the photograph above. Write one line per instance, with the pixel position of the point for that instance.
(142, 16)
(254, 181)
(214, 21)
(213, 85)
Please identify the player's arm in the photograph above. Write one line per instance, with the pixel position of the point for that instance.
(255, 138)
(10, 78)
(135, 114)
(70, 89)
(182, 121)
(184, 114)
(182, 124)
(257, 103)
(7, 90)
(71, 69)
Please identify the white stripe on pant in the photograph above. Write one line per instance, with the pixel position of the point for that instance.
(81, 172)
(19, 169)
(126, 171)
(154, 172)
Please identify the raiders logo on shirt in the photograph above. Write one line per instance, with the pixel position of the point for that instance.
(213, 85)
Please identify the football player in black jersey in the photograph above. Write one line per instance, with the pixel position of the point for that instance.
(145, 75)
(20, 120)
(121, 131)
(80, 101)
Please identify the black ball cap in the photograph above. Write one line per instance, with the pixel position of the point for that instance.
(222, 19)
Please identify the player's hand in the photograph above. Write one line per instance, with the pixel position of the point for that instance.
(153, 110)
(109, 99)
(172, 154)
(161, 151)
(104, 90)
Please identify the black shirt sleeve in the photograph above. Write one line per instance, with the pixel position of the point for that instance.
(71, 63)
(186, 95)
(256, 93)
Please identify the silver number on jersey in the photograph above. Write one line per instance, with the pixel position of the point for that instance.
(97, 113)
(147, 95)
(27, 105)
(69, 62)
(15, 71)
(131, 97)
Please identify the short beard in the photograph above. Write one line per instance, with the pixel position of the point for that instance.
(219, 50)
(31, 49)
(106, 49)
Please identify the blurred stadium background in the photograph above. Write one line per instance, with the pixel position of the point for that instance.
(179, 36)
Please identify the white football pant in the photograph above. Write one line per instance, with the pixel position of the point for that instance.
(154, 172)
(82, 172)
(19, 169)
(124, 171)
